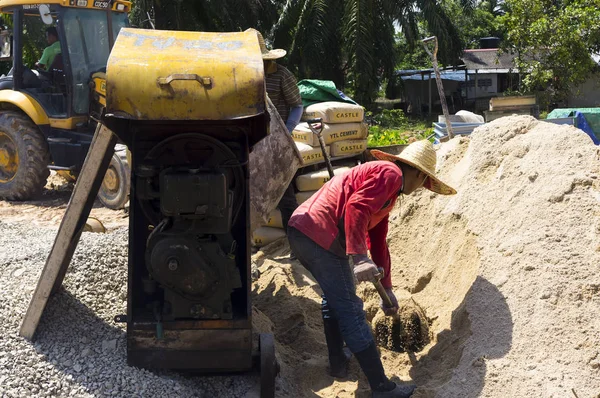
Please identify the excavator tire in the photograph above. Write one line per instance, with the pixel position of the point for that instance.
(114, 191)
(24, 157)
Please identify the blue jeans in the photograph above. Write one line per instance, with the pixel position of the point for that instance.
(287, 205)
(335, 276)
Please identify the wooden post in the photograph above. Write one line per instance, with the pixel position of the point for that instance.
(430, 99)
(475, 87)
(438, 79)
(79, 207)
(422, 89)
(466, 85)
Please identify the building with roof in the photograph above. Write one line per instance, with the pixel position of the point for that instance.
(490, 73)
(486, 73)
(420, 90)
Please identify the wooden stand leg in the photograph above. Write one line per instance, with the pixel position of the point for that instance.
(79, 207)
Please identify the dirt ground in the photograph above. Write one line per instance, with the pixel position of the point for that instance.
(507, 273)
(49, 209)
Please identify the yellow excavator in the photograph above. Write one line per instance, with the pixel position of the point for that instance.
(48, 113)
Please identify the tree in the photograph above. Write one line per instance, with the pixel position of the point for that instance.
(553, 41)
(484, 21)
(351, 42)
(206, 15)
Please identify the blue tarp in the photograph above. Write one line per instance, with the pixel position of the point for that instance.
(586, 119)
(582, 124)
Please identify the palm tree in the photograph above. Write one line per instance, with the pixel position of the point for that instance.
(351, 42)
(205, 15)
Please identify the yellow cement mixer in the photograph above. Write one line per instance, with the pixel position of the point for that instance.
(191, 107)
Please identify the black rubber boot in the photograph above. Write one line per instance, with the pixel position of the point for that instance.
(339, 357)
(381, 386)
(403, 391)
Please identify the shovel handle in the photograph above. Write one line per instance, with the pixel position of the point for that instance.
(383, 294)
(321, 143)
(315, 120)
(381, 290)
(435, 46)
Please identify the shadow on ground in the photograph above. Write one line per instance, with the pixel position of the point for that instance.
(456, 364)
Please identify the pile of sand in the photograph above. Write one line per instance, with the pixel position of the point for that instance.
(507, 272)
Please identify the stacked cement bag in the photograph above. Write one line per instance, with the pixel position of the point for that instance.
(334, 112)
(344, 132)
(270, 232)
(312, 154)
(309, 183)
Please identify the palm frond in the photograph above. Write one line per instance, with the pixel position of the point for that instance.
(283, 31)
(440, 25)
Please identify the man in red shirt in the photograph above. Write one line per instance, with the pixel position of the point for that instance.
(345, 218)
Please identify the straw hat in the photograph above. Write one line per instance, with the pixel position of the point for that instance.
(267, 54)
(420, 155)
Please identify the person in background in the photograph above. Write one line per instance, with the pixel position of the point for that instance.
(51, 51)
(346, 218)
(283, 91)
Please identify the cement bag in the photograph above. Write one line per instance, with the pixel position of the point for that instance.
(315, 180)
(303, 134)
(273, 164)
(264, 235)
(349, 147)
(275, 220)
(302, 197)
(334, 112)
(343, 131)
(310, 154)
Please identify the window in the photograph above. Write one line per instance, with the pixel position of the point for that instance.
(88, 47)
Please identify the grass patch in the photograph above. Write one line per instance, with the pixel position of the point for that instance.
(392, 127)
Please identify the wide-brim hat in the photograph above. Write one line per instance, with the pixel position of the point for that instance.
(420, 155)
(266, 53)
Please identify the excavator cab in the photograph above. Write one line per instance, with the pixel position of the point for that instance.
(48, 113)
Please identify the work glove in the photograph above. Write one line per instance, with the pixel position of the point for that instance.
(365, 269)
(389, 310)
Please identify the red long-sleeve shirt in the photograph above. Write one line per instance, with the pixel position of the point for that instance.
(360, 201)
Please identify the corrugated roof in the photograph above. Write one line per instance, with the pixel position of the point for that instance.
(487, 59)
(458, 76)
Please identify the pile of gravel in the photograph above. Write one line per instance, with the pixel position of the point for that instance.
(79, 351)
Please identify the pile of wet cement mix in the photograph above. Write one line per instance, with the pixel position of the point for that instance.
(407, 331)
(506, 272)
